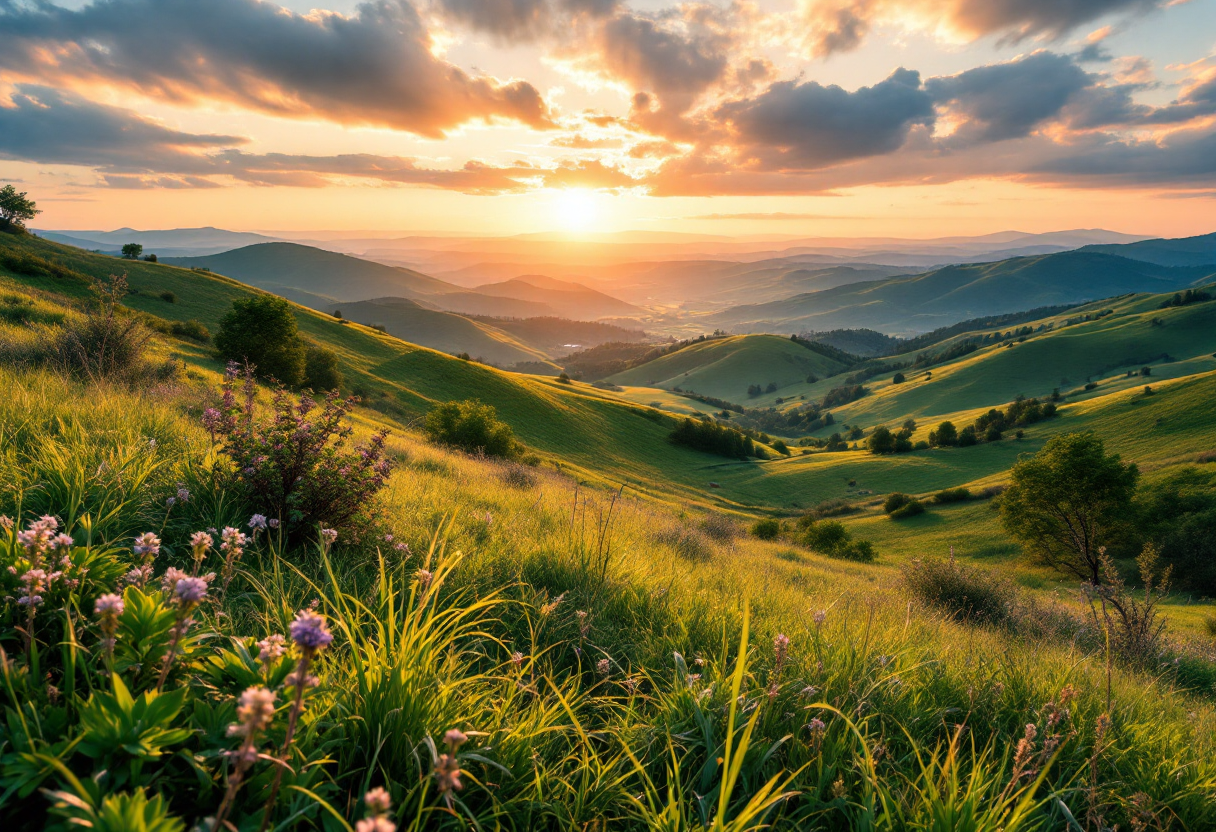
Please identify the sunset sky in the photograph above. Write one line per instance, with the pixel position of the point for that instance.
(812, 117)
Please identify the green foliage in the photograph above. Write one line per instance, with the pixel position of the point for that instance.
(168, 297)
(473, 427)
(132, 251)
(766, 529)
(952, 495)
(1069, 501)
(713, 439)
(192, 330)
(119, 812)
(898, 506)
(16, 208)
(831, 538)
(881, 441)
(321, 371)
(963, 592)
(1178, 512)
(261, 330)
(898, 378)
(944, 436)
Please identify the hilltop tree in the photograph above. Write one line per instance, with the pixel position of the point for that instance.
(16, 208)
(882, 441)
(132, 251)
(1069, 501)
(261, 330)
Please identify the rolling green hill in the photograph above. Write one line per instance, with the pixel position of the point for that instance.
(726, 367)
(566, 299)
(954, 293)
(1187, 251)
(443, 331)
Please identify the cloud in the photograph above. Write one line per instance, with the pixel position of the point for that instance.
(806, 125)
(831, 26)
(516, 20)
(1009, 100)
(374, 67)
(48, 126)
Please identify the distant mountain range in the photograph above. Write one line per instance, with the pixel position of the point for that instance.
(921, 302)
(319, 278)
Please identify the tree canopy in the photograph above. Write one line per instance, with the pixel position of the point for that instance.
(16, 208)
(1069, 501)
(261, 330)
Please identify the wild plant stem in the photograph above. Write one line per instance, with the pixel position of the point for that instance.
(297, 706)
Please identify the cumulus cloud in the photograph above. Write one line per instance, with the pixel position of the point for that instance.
(808, 125)
(373, 67)
(841, 25)
(1009, 100)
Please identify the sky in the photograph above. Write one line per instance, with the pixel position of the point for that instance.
(916, 118)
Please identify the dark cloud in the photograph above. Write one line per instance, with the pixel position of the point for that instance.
(1184, 159)
(807, 125)
(514, 20)
(1009, 100)
(374, 67)
(674, 63)
(47, 126)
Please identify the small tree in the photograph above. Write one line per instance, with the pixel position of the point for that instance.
(898, 378)
(261, 330)
(945, 436)
(16, 208)
(881, 441)
(321, 369)
(1069, 501)
(132, 251)
(471, 426)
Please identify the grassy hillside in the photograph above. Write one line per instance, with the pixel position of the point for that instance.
(443, 331)
(726, 367)
(954, 293)
(1186, 251)
(316, 271)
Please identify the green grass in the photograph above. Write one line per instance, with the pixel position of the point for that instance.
(554, 743)
(724, 368)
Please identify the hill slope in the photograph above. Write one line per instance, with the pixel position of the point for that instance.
(1185, 251)
(726, 367)
(954, 293)
(567, 300)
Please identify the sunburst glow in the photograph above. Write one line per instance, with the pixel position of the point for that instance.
(577, 209)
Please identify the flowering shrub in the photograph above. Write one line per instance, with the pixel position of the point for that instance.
(296, 464)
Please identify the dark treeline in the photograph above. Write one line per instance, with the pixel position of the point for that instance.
(713, 438)
(617, 356)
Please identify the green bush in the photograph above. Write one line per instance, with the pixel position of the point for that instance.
(963, 592)
(898, 506)
(321, 370)
(952, 495)
(767, 529)
(192, 330)
(261, 331)
(831, 538)
(168, 297)
(473, 427)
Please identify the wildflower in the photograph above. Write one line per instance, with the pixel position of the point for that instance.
(603, 667)
(838, 789)
(402, 547)
(169, 503)
(489, 519)
(808, 692)
(328, 537)
(107, 608)
(183, 493)
(257, 522)
(273, 522)
(447, 767)
(424, 580)
(271, 649)
(138, 576)
(378, 801)
(552, 605)
(6, 522)
(819, 617)
(232, 544)
(254, 713)
(310, 632)
(584, 626)
(172, 575)
(375, 824)
(517, 659)
(39, 575)
(200, 542)
(187, 594)
(817, 730)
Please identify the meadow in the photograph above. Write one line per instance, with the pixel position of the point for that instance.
(591, 641)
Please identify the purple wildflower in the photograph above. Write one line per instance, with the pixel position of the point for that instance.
(310, 632)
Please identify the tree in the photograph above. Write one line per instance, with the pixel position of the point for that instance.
(321, 369)
(132, 251)
(1069, 501)
(261, 330)
(15, 208)
(898, 378)
(881, 441)
(945, 436)
(471, 426)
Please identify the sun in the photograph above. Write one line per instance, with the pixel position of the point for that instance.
(576, 209)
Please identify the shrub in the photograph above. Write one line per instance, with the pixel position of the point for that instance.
(168, 297)
(473, 427)
(881, 441)
(780, 447)
(564, 378)
(688, 543)
(910, 509)
(720, 527)
(831, 538)
(518, 475)
(297, 464)
(261, 331)
(963, 592)
(321, 369)
(898, 378)
(106, 342)
(152, 258)
(952, 495)
(895, 501)
(967, 437)
(828, 508)
(766, 529)
(192, 330)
